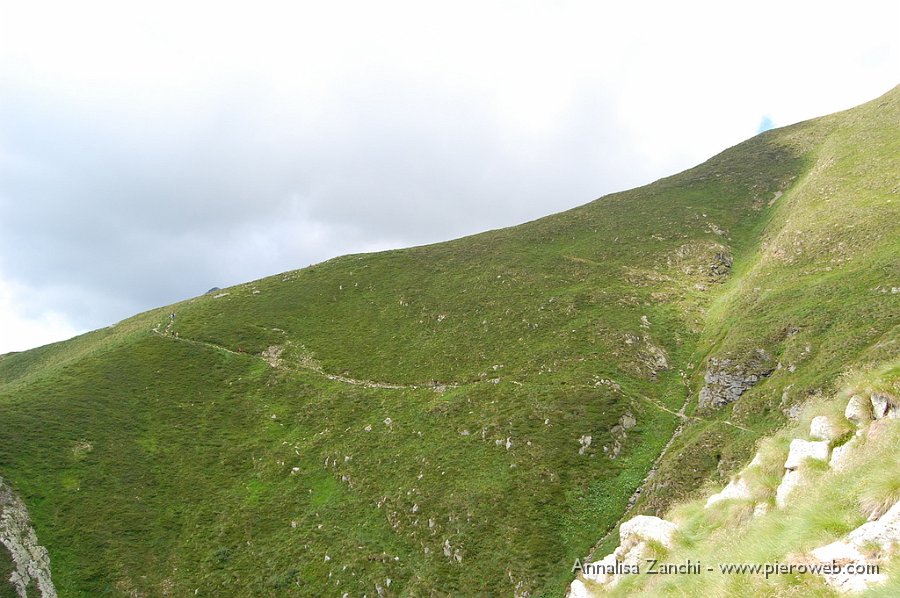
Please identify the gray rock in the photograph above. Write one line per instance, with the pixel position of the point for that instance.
(585, 442)
(727, 379)
(644, 528)
(31, 560)
(578, 590)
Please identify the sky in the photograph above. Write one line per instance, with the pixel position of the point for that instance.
(151, 151)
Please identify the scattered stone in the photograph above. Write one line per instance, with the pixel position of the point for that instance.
(585, 443)
(368, 428)
(272, 355)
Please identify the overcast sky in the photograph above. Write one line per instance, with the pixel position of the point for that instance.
(150, 151)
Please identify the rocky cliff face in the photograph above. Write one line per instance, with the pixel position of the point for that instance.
(727, 379)
(32, 563)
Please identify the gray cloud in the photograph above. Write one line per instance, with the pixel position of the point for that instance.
(107, 213)
(146, 156)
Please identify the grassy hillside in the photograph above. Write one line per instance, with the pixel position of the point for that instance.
(421, 416)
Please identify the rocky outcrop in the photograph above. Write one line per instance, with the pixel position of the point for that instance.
(727, 379)
(879, 537)
(854, 563)
(635, 538)
(32, 563)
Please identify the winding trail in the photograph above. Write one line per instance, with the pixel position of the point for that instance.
(308, 367)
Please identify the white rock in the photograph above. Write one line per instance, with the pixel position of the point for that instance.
(859, 410)
(599, 574)
(883, 406)
(757, 460)
(792, 478)
(585, 442)
(845, 554)
(578, 590)
(647, 528)
(840, 454)
(884, 531)
(822, 428)
(761, 509)
(737, 489)
(804, 449)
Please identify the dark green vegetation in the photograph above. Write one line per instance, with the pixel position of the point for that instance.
(444, 451)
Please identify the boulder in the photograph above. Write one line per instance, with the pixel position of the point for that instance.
(840, 454)
(647, 528)
(883, 532)
(804, 449)
(822, 428)
(792, 478)
(858, 411)
(737, 489)
(883, 405)
(727, 379)
(577, 589)
(844, 554)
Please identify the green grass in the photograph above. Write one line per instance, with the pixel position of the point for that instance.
(154, 464)
(828, 506)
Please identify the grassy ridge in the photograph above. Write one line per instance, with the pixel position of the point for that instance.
(443, 452)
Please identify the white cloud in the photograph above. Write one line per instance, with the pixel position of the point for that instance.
(21, 328)
(148, 152)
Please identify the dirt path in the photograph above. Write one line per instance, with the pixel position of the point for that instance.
(307, 368)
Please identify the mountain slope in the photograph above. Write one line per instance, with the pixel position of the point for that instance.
(462, 417)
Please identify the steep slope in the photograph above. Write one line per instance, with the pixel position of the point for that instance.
(462, 417)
